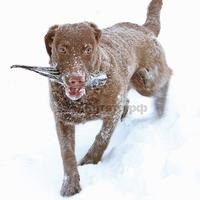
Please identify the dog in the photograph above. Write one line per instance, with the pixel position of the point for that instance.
(129, 55)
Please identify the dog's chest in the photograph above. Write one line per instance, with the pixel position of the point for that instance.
(89, 107)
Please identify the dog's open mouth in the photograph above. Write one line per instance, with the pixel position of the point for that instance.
(74, 86)
(74, 93)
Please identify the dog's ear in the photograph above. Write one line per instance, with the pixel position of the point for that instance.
(96, 30)
(49, 37)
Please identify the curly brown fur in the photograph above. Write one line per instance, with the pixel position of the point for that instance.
(129, 54)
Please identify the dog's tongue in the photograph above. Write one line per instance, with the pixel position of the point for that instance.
(75, 93)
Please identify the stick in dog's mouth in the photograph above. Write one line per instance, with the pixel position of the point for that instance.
(49, 72)
(96, 79)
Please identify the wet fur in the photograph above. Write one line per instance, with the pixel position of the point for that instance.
(131, 57)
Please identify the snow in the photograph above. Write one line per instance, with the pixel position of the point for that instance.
(147, 159)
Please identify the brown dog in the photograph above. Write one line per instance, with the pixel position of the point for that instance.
(128, 54)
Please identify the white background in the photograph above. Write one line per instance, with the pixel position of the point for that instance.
(147, 159)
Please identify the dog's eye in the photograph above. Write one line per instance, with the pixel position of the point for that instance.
(88, 50)
(62, 49)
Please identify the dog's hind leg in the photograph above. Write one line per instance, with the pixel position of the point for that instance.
(160, 100)
(125, 111)
(149, 81)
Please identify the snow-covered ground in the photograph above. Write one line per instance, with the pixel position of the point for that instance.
(147, 159)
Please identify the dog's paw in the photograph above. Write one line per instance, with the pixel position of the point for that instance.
(70, 186)
(143, 75)
(88, 159)
(144, 81)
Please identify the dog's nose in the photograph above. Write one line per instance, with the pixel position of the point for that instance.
(75, 81)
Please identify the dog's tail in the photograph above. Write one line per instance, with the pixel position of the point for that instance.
(153, 16)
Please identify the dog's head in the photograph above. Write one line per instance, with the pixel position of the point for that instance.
(73, 50)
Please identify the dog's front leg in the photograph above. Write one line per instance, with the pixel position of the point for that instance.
(96, 151)
(66, 138)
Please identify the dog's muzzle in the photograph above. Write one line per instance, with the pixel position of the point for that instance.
(74, 86)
